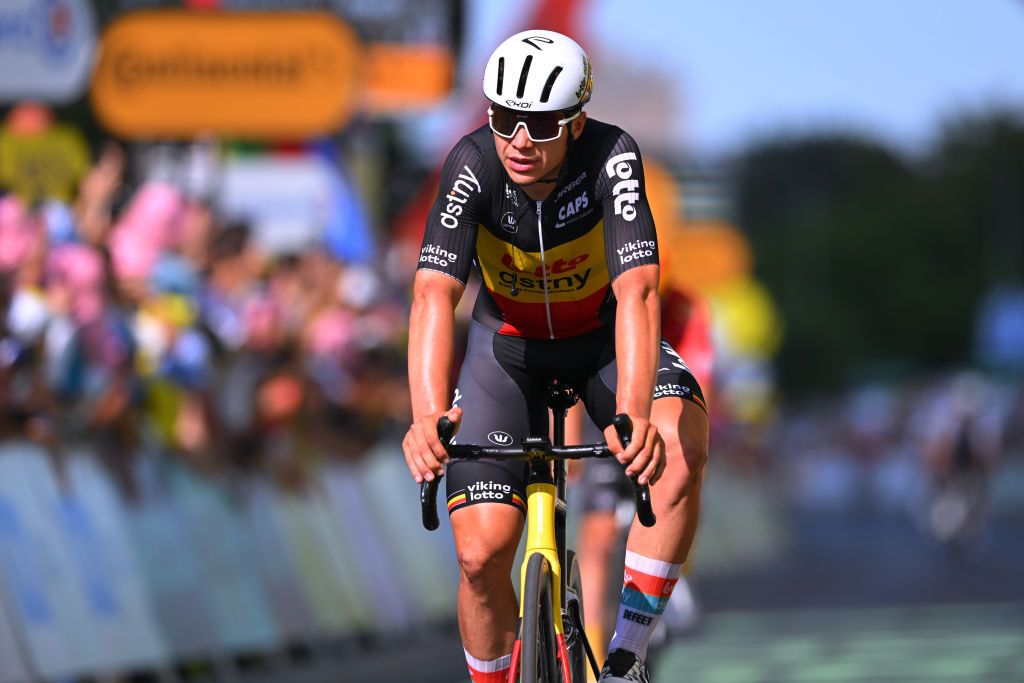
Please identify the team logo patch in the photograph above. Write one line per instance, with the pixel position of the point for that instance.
(508, 222)
(573, 208)
(671, 390)
(437, 256)
(458, 196)
(499, 438)
(625, 192)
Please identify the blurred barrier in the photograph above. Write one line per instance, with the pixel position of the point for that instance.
(202, 569)
(12, 666)
(70, 569)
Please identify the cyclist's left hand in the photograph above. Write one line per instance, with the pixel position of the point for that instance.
(645, 456)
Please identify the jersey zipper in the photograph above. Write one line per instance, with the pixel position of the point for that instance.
(544, 271)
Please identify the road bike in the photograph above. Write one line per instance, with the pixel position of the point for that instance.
(552, 646)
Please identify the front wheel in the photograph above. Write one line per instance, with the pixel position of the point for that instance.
(537, 634)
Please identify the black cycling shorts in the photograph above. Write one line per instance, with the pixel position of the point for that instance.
(602, 485)
(502, 391)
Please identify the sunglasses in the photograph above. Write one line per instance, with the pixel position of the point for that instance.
(541, 126)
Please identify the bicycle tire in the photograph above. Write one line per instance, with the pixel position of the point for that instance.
(537, 634)
(574, 614)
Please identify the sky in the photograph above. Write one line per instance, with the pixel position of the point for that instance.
(896, 68)
(744, 69)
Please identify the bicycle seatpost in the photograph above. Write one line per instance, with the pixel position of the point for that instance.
(561, 397)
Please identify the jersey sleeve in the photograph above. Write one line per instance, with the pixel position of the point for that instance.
(629, 234)
(450, 238)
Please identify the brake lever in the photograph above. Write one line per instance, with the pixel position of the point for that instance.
(641, 492)
(428, 489)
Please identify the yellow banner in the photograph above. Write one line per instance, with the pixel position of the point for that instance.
(256, 75)
(47, 165)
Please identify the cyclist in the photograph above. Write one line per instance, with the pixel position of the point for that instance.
(960, 437)
(551, 208)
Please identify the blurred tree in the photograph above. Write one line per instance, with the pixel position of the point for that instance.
(877, 262)
(981, 159)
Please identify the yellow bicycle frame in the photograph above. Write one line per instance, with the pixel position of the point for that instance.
(540, 538)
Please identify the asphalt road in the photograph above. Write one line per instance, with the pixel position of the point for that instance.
(855, 599)
(858, 600)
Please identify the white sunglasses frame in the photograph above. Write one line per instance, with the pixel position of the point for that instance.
(561, 126)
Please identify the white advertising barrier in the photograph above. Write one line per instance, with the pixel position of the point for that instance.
(172, 568)
(369, 564)
(46, 49)
(305, 525)
(71, 575)
(48, 604)
(123, 632)
(216, 521)
(295, 618)
(12, 665)
(424, 560)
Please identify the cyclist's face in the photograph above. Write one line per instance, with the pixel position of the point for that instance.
(527, 161)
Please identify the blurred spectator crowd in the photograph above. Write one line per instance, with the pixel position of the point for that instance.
(135, 318)
(139, 318)
(897, 447)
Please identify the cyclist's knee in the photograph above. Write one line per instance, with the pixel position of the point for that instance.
(482, 563)
(687, 454)
(486, 537)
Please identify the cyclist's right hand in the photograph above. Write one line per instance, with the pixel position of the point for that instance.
(424, 454)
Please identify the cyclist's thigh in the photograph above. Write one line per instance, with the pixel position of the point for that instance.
(494, 393)
(673, 381)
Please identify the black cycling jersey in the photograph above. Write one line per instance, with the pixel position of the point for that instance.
(546, 308)
(547, 267)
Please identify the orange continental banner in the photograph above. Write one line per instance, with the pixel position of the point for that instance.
(260, 75)
(400, 76)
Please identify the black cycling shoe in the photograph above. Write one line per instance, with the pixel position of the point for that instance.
(622, 666)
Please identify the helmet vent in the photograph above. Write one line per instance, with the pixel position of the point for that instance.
(523, 76)
(501, 73)
(546, 93)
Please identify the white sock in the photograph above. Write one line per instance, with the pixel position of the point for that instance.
(489, 670)
(646, 586)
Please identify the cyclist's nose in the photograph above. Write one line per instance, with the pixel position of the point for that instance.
(521, 139)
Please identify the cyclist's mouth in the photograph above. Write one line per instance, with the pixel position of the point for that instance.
(521, 165)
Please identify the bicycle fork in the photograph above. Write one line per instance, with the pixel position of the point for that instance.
(542, 537)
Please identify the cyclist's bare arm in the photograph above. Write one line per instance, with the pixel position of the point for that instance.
(431, 343)
(637, 340)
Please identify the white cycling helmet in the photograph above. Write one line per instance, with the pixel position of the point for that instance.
(539, 71)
